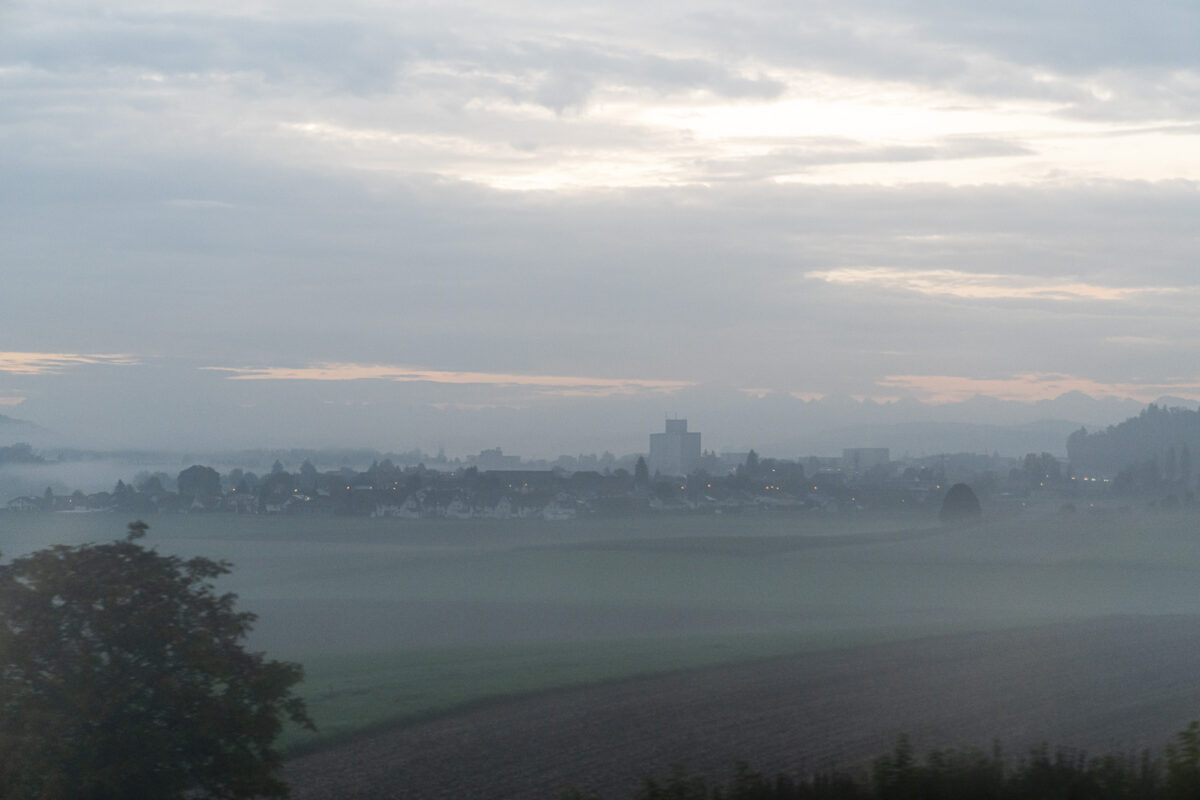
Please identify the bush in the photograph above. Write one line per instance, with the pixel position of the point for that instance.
(958, 774)
(960, 505)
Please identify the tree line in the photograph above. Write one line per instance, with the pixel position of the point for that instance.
(1158, 445)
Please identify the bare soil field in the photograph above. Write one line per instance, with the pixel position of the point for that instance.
(1116, 684)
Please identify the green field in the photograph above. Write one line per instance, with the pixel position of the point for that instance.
(398, 619)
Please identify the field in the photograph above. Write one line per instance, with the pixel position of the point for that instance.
(400, 620)
(1100, 686)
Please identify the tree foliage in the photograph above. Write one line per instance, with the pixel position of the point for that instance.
(751, 466)
(199, 484)
(641, 474)
(960, 505)
(1147, 437)
(124, 676)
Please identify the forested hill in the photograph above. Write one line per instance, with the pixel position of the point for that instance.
(1164, 439)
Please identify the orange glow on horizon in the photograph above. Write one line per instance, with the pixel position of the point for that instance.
(18, 363)
(569, 385)
(981, 286)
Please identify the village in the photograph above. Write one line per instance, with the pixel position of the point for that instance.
(676, 476)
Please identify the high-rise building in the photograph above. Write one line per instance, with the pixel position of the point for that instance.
(674, 452)
(857, 460)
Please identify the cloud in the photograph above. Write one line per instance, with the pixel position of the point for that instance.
(322, 51)
(802, 155)
(562, 385)
(750, 195)
(691, 283)
(1142, 341)
(1065, 35)
(1096, 64)
(982, 286)
(200, 204)
(11, 400)
(606, 97)
(365, 52)
(55, 363)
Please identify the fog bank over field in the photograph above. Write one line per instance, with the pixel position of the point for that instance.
(397, 620)
(353, 584)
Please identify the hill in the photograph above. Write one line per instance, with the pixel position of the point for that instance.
(13, 430)
(1160, 439)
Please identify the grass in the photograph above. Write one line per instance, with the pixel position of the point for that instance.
(351, 693)
(632, 597)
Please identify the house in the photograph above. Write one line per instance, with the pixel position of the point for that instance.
(24, 504)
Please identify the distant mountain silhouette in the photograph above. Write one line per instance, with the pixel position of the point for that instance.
(930, 438)
(13, 422)
(13, 430)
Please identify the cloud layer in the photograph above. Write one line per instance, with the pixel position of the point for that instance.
(914, 201)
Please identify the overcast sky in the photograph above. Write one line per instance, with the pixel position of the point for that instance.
(542, 225)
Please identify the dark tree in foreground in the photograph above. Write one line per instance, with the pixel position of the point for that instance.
(123, 675)
(960, 505)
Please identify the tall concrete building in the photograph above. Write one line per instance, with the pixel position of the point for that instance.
(857, 460)
(674, 452)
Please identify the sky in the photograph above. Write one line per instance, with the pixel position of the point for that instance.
(543, 226)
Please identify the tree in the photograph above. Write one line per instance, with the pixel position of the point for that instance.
(751, 465)
(308, 476)
(960, 505)
(1041, 471)
(124, 676)
(199, 484)
(276, 488)
(150, 484)
(641, 474)
(20, 453)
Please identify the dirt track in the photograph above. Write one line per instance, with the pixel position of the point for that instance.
(1117, 684)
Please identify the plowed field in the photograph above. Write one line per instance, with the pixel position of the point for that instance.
(1116, 684)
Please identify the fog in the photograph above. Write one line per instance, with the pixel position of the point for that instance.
(543, 227)
(65, 477)
(403, 620)
(355, 585)
(64, 472)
